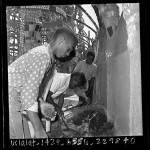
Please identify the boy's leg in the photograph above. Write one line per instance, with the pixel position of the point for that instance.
(16, 126)
(15, 117)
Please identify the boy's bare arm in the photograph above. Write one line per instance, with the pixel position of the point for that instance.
(61, 101)
(50, 100)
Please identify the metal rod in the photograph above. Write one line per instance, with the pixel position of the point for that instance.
(79, 6)
(86, 25)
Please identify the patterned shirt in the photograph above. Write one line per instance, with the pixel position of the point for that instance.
(26, 73)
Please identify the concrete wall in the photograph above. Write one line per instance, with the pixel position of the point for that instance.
(118, 89)
(118, 80)
(136, 126)
(124, 80)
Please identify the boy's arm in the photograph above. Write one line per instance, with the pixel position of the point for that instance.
(50, 100)
(61, 101)
(82, 94)
(35, 73)
(92, 80)
(91, 83)
(77, 67)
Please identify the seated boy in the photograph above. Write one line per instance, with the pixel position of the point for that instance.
(61, 84)
(64, 84)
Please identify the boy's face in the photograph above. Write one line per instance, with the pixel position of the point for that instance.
(78, 91)
(63, 47)
(89, 60)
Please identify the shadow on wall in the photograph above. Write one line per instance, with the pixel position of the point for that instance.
(100, 86)
(121, 44)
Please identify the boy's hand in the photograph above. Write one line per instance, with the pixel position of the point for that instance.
(47, 109)
(61, 113)
(87, 100)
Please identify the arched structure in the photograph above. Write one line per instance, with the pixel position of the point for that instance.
(30, 26)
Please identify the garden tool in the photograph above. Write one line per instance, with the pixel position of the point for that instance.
(62, 118)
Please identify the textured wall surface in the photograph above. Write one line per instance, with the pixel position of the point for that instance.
(135, 96)
(124, 77)
(135, 71)
(118, 87)
(118, 80)
(100, 87)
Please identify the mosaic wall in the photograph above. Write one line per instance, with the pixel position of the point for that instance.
(31, 26)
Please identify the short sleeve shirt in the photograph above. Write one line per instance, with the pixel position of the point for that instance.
(88, 70)
(60, 83)
(27, 72)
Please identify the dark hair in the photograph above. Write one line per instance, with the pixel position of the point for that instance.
(67, 58)
(77, 79)
(91, 53)
(67, 33)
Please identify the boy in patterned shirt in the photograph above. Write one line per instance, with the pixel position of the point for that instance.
(25, 76)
